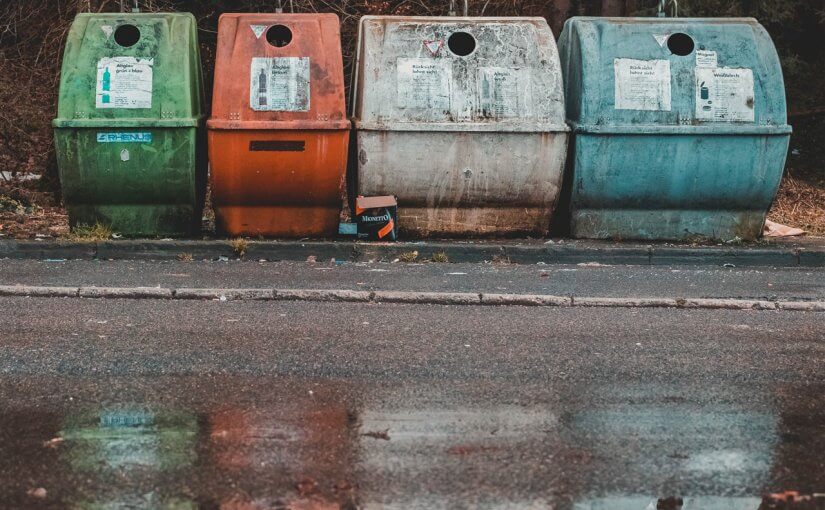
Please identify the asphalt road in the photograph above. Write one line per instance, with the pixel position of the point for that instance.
(580, 280)
(209, 404)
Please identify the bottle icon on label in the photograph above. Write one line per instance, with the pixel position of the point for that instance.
(262, 88)
(704, 93)
(106, 85)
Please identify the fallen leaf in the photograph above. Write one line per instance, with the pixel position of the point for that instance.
(53, 443)
(307, 486)
(39, 493)
(773, 229)
(379, 434)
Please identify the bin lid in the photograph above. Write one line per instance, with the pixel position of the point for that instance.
(672, 75)
(279, 71)
(131, 69)
(457, 74)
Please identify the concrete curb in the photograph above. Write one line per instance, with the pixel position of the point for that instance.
(810, 254)
(403, 297)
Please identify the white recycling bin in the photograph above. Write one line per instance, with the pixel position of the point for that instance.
(462, 119)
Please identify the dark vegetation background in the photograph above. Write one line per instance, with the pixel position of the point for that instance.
(32, 33)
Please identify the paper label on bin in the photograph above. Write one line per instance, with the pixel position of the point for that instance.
(124, 82)
(279, 84)
(706, 59)
(724, 95)
(424, 83)
(504, 92)
(642, 84)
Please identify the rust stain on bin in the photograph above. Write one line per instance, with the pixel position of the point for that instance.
(468, 133)
(278, 134)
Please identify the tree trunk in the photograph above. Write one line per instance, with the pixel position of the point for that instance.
(613, 7)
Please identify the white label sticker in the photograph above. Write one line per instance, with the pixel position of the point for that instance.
(124, 82)
(257, 30)
(504, 92)
(279, 84)
(706, 59)
(424, 83)
(642, 84)
(661, 39)
(724, 95)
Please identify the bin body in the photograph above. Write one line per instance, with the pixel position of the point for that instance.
(680, 127)
(129, 138)
(278, 134)
(471, 144)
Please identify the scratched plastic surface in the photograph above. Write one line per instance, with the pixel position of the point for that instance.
(129, 135)
(463, 120)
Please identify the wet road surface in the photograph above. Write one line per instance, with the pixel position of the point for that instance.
(136, 404)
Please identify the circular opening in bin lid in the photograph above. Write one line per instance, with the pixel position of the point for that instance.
(127, 35)
(680, 44)
(461, 43)
(279, 35)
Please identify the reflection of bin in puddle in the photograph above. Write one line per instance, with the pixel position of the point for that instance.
(680, 127)
(653, 503)
(140, 446)
(683, 449)
(127, 439)
(283, 445)
(463, 120)
(448, 449)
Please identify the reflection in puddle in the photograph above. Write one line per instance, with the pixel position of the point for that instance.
(647, 503)
(707, 447)
(245, 446)
(463, 456)
(126, 439)
(133, 449)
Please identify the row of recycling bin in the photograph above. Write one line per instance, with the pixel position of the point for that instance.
(671, 128)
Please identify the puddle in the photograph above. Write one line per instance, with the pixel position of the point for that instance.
(236, 443)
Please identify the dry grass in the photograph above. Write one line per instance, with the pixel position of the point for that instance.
(239, 246)
(408, 256)
(91, 233)
(440, 257)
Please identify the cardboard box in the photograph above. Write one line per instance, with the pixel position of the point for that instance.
(377, 218)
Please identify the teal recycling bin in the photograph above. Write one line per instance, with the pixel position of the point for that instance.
(680, 127)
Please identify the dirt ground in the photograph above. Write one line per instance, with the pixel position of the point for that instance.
(801, 198)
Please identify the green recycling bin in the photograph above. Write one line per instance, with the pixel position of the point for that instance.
(129, 136)
(680, 127)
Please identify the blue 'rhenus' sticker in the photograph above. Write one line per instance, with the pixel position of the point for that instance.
(124, 138)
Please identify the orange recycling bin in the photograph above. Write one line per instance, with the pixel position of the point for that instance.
(278, 134)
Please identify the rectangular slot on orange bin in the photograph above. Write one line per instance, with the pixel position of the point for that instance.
(276, 146)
